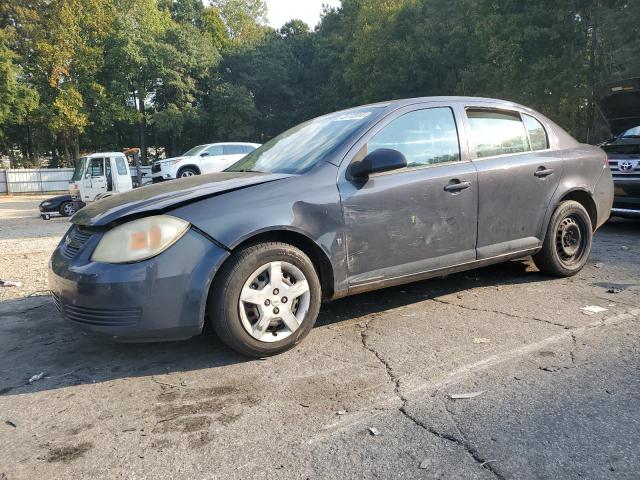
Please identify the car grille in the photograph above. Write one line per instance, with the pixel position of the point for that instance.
(104, 317)
(155, 168)
(74, 241)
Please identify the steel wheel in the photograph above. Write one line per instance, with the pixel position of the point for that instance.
(570, 241)
(274, 301)
(567, 242)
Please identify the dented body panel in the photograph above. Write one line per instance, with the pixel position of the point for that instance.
(365, 233)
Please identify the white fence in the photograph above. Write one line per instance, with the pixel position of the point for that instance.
(44, 180)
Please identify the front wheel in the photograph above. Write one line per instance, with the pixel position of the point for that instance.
(67, 209)
(265, 299)
(187, 172)
(567, 244)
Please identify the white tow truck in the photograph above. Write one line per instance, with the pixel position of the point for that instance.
(99, 175)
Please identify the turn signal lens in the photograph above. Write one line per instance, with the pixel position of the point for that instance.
(139, 239)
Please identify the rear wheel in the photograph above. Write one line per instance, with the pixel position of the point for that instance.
(187, 172)
(67, 209)
(265, 299)
(567, 244)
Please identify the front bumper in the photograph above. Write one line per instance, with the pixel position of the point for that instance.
(159, 299)
(161, 173)
(627, 195)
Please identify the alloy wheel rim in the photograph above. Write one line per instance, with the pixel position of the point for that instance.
(274, 301)
(187, 173)
(68, 209)
(570, 240)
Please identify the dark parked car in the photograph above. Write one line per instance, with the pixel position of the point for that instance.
(352, 201)
(620, 104)
(62, 205)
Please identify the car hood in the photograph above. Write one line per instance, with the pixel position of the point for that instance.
(168, 195)
(619, 102)
(57, 200)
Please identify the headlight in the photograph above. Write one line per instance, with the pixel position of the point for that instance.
(139, 239)
(166, 163)
(45, 204)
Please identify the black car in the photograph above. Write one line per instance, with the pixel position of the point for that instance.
(620, 105)
(62, 205)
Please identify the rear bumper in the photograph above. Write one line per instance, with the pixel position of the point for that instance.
(159, 299)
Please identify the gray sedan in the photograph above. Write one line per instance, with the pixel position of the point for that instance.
(352, 201)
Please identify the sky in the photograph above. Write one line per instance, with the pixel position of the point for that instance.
(281, 11)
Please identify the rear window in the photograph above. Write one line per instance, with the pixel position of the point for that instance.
(497, 132)
(233, 150)
(537, 133)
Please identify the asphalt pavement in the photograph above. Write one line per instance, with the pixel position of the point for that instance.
(548, 389)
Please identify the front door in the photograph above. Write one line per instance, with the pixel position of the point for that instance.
(95, 181)
(517, 176)
(420, 218)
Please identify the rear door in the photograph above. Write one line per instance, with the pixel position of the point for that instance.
(518, 174)
(233, 153)
(212, 160)
(416, 219)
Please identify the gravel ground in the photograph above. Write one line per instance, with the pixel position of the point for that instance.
(367, 395)
(26, 243)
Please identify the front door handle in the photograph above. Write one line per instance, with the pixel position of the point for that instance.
(543, 172)
(456, 186)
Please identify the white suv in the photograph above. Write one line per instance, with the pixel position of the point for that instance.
(210, 158)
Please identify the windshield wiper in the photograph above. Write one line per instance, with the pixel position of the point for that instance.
(630, 136)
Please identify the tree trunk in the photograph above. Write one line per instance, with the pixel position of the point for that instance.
(76, 147)
(593, 74)
(142, 130)
(65, 144)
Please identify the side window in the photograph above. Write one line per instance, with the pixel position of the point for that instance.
(248, 148)
(214, 151)
(233, 150)
(96, 167)
(121, 166)
(537, 133)
(496, 132)
(425, 137)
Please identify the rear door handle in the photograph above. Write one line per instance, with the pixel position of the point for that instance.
(543, 172)
(456, 186)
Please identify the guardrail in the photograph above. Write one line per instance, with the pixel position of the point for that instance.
(42, 180)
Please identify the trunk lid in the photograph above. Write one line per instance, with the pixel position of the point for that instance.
(619, 102)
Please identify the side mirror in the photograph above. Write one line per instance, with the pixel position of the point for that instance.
(380, 160)
(204, 154)
(87, 175)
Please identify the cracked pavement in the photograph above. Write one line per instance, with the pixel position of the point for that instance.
(558, 389)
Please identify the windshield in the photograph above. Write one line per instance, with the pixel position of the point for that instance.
(79, 169)
(632, 133)
(300, 148)
(193, 151)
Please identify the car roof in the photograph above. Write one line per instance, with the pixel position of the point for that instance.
(102, 154)
(228, 143)
(444, 99)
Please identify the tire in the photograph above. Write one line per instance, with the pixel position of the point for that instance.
(567, 243)
(187, 172)
(254, 270)
(67, 209)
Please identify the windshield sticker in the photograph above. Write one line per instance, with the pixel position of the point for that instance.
(350, 117)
